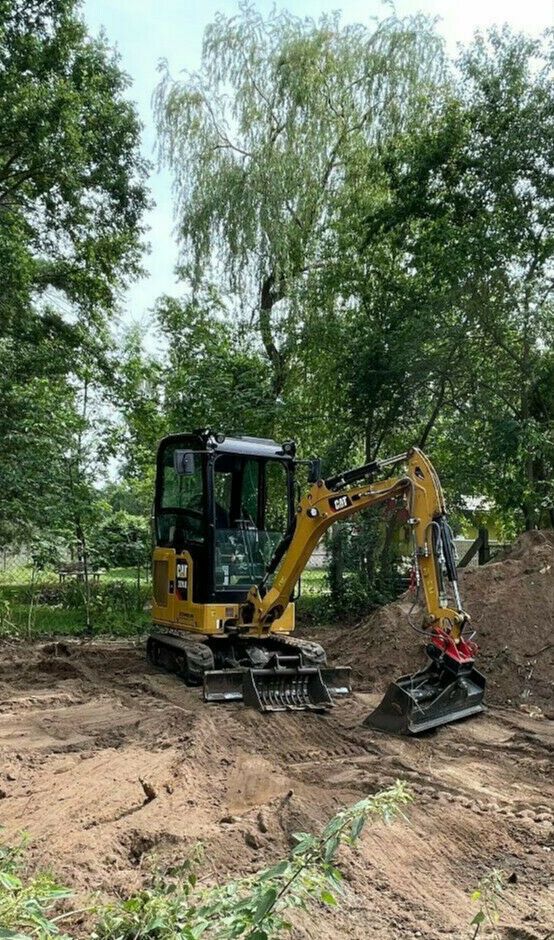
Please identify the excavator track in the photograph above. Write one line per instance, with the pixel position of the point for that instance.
(184, 655)
(279, 674)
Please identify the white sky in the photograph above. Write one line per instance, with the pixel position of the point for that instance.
(145, 31)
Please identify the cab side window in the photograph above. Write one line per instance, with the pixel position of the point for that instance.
(276, 495)
(181, 516)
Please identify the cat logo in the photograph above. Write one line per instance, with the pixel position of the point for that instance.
(182, 576)
(340, 502)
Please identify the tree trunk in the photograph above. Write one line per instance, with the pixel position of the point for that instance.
(336, 565)
(86, 573)
(368, 438)
(525, 408)
(434, 414)
(269, 296)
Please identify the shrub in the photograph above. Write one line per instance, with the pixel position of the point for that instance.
(173, 908)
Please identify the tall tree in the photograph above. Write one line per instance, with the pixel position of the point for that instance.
(468, 213)
(260, 141)
(72, 196)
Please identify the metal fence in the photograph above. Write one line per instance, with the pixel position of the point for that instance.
(72, 595)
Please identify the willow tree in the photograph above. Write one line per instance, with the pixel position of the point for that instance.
(262, 138)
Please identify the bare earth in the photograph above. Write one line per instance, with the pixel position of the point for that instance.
(114, 769)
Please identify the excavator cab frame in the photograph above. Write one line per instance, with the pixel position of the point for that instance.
(217, 498)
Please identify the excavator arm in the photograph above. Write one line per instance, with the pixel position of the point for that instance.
(333, 500)
(449, 687)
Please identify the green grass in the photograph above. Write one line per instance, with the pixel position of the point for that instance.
(58, 609)
(22, 576)
(55, 621)
(314, 582)
(50, 608)
(125, 574)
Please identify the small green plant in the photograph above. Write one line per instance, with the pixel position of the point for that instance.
(8, 628)
(26, 905)
(487, 894)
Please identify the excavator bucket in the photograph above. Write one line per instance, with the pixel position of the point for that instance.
(431, 697)
(283, 684)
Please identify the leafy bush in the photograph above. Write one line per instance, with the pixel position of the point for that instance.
(173, 908)
(26, 905)
(364, 567)
(121, 540)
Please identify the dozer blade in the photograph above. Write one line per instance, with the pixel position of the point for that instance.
(283, 684)
(429, 698)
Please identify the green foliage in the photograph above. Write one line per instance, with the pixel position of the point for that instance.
(71, 187)
(469, 204)
(377, 228)
(71, 200)
(212, 370)
(115, 608)
(120, 540)
(26, 904)
(174, 907)
(256, 907)
(488, 895)
(364, 568)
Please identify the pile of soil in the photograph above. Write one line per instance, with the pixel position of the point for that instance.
(511, 605)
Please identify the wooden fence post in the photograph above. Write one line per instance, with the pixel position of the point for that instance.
(484, 547)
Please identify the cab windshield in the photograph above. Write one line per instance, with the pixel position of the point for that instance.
(251, 497)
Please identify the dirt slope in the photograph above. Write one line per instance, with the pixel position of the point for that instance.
(511, 604)
(114, 768)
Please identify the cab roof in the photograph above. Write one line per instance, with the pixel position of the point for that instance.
(213, 442)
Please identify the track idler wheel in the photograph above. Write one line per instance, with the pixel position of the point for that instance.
(189, 659)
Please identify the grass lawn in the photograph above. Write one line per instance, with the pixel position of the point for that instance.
(118, 608)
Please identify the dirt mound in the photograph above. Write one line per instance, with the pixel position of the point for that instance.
(511, 604)
(116, 769)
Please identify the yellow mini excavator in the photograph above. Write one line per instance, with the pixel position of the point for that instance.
(232, 539)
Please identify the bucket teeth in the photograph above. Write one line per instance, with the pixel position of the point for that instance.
(283, 684)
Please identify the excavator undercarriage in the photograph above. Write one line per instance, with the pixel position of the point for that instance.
(282, 674)
(231, 543)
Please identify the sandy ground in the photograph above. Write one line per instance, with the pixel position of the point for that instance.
(114, 769)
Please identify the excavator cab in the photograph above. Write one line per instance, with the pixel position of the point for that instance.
(225, 503)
